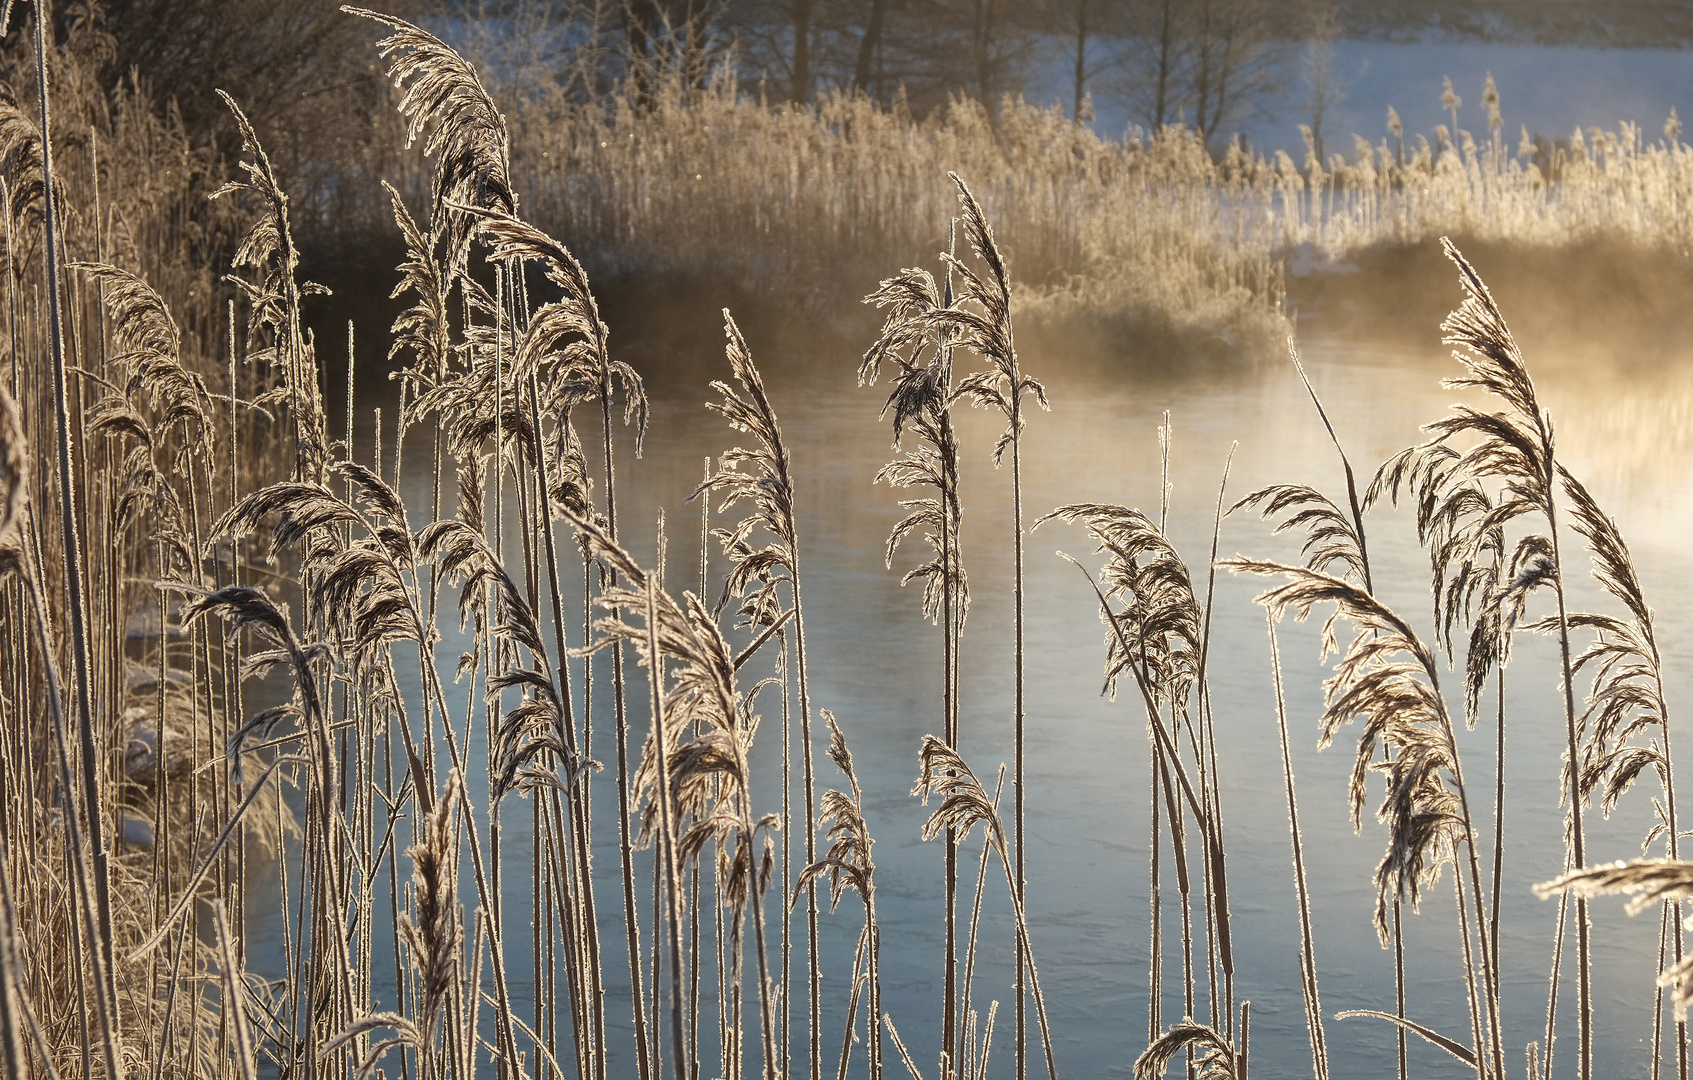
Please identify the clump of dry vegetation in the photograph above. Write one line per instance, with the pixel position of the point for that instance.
(1157, 233)
(149, 449)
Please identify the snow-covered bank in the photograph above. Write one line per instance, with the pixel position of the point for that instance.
(1552, 89)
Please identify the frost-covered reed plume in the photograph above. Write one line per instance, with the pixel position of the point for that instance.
(917, 340)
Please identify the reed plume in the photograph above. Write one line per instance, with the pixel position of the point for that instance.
(1157, 635)
(1646, 882)
(1388, 678)
(847, 865)
(963, 805)
(761, 477)
(445, 103)
(147, 345)
(922, 396)
(1216, 1058)
(431, 929)
(14, 470)
(709, 772)
(980, 320)
(1625, 720)
(1514, 449)
(275, 334)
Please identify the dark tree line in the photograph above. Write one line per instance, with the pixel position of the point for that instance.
(1206, 64)
(310, 79)
(1203, 63)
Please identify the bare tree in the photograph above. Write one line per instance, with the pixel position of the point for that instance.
(1235, 47)
(1209, 63)
(1324, 87)
(868, 45)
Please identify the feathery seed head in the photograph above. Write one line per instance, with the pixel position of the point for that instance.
(1214, 1056)
(444, 101)
(14, 468)
(1388, 679)
(964, 801)
(431, 927)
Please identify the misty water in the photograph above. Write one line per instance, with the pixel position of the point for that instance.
(1623, 426)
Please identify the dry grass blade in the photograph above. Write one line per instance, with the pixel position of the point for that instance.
(1435, 1038)
(234, 995)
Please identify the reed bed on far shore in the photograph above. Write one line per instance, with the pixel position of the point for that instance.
(1149, 231)
(229, 647)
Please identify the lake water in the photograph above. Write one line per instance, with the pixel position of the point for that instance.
(875, 664)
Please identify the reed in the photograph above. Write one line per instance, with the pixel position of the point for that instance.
(135, 806)
(980, 320)
(922, 395)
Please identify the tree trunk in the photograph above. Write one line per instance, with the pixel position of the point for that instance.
(984, 55)
(802, 51)
(867, 46)
(1081, 55)
(1166, 58)
(1202, 73)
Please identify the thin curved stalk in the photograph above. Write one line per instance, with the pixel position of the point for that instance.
(621, 718)
(1578, 843)
(667, 823)
(1307, 940)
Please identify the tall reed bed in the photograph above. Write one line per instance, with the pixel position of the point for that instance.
(438, 711)
(1150, 229)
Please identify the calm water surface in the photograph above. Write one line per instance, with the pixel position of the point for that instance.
(874, 663)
